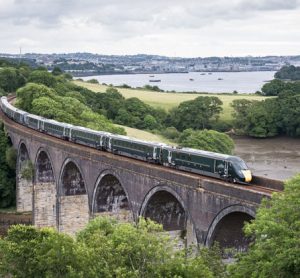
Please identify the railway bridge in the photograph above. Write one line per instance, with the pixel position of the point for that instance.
(72, 184)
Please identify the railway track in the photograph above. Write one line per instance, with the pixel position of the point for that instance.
(256, 188)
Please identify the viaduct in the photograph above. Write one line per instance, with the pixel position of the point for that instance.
(73, 183)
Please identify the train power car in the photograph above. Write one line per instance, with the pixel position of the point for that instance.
(227, 167)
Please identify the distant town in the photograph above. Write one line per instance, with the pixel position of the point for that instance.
(86, 64)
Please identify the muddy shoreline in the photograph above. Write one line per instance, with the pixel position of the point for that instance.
(276, 158)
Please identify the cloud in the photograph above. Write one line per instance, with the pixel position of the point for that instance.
(162, 27)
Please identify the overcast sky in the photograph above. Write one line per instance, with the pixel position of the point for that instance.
(186, 28)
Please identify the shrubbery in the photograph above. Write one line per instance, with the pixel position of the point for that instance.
(105, 248)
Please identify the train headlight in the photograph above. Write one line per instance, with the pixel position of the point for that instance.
(247, 174)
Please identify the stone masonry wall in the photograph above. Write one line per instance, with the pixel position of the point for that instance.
(24, 195)
(45, 205)
(73, 214)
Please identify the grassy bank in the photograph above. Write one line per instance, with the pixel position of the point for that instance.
(170, 100)
(145, 135)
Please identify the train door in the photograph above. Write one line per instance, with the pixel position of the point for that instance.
(154, 152)
(169, 157)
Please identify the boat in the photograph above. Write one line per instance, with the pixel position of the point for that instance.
(191, 79)
(154, 80)
(202, 73)
(210, 73)
(151, 75)
(220, 78)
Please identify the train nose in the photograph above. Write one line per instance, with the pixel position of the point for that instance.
(247, 174)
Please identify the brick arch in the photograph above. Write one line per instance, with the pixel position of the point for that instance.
(232, 234)
(71, 181)
(110, 196)
(152, 208)
(44, 171)
(44, 191)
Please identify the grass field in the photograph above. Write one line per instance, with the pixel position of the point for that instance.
(170, 100)
(145, 135)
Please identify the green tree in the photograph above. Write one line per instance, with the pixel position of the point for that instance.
(273, 88)
(288, 72)
(208, 140)
(11, 79)
(197, 114)
(57, 71)
(150, 122)
(31, 91)
(7, 172)
(276, 230)
(290, 115)
(42, 77)
(31, 252)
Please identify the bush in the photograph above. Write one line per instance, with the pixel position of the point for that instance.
(93, 81)
(27, 171)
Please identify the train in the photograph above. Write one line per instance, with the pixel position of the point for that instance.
(221, 166)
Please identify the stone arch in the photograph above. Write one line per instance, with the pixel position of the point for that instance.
(24, 188)
(73, 201)
(111, 198)
(226, 228)
(71, 179)
(44, 191)
(164, 205)
(44, 167)
(23, 156)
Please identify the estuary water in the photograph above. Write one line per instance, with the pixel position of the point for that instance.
(214, 82)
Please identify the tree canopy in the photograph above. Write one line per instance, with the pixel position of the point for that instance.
(105, 248)
(7, 171)
(199, 113)
(288, 72)
(276, 230)
(208, 140)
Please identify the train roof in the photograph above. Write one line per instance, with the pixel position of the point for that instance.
(90, 130)
(200, 152)
(131, 139)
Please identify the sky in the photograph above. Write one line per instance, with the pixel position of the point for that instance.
(177, 28)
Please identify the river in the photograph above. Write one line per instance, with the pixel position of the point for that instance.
(215, 82)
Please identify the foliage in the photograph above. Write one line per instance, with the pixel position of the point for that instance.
(152, 88)
(12, 78)
(273, 88)
(66, 107)
(288, 72)
(57, 71)
(276, 229)
(42, 77)
(31, 252)
(290, 115)
(199, 113)
(105, 248)
(31, 91)
(270, 117)
(208, 140)
(171, 133)
(93, 81)
(27, 171)
(7, 174)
